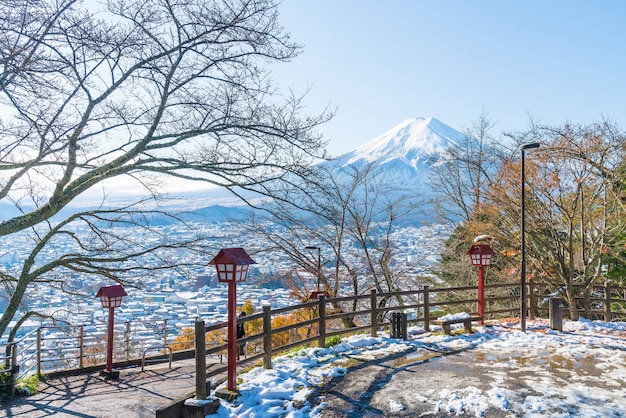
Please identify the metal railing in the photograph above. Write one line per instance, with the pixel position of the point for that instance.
(55, 348)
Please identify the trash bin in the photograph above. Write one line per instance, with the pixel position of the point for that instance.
(556, 313)
(398, 325)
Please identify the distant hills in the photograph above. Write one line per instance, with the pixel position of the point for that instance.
(405, 154)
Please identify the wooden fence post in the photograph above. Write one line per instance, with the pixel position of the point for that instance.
(81, 346)
(426, 309)
(200, 343)
(267, 336)
(374, 314)
(322, 322)
(608, 316)
(127, 337)
(38, 368)
(532, 299)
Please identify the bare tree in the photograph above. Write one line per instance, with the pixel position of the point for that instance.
(139, 91)
(351, 214)
(573, 210)
(461, 183)
(461, 179)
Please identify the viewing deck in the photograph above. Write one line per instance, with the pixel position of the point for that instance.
(135, 394)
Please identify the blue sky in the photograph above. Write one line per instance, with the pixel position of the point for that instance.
(380, 62)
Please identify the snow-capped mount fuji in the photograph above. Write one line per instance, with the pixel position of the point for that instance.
(414, 143)
(401, 160)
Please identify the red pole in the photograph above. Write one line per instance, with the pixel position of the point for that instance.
(481, 292)
(109, 368)
(232, 335)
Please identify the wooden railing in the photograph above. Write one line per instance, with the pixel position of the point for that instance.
(422, 305)
(606, 301)
(82, 351)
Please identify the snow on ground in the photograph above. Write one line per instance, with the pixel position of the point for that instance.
(578, 372)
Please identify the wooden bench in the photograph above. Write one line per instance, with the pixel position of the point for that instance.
(467, 322)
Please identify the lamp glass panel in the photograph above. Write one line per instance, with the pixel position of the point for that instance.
(231, 272)
(242, 271)
(224, 272)
(105, 301)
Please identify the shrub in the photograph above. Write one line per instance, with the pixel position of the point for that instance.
(28, 385)
(332, 341)
(23, 387)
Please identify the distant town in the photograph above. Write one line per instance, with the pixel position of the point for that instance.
(180, 298)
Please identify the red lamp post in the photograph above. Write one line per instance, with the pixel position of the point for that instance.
(232, 267)
(111, 297)
(481, 254)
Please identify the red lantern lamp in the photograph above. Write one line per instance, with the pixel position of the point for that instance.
(232, 265)
(480, 254)
(111, 298)
(232, 268)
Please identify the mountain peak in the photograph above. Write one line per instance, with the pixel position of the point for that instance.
(413, 141)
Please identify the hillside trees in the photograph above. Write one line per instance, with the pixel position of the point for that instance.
(578, 215)
(461, 179)
(461, 182)
(138, 93)
(573, 208)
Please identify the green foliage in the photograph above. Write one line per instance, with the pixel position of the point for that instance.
(298, 351)
(332, 341)
(23, 387)
(28, 385)
(5, 386)
(437, 312)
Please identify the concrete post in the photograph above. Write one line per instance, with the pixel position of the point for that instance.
(556, 313)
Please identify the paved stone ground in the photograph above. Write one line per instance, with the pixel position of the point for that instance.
(371, 389)
(135, 394)
(419, 379)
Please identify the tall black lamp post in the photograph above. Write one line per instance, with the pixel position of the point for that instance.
(523, 227)
(316, 294)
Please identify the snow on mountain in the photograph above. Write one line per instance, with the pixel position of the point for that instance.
(414, 142)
